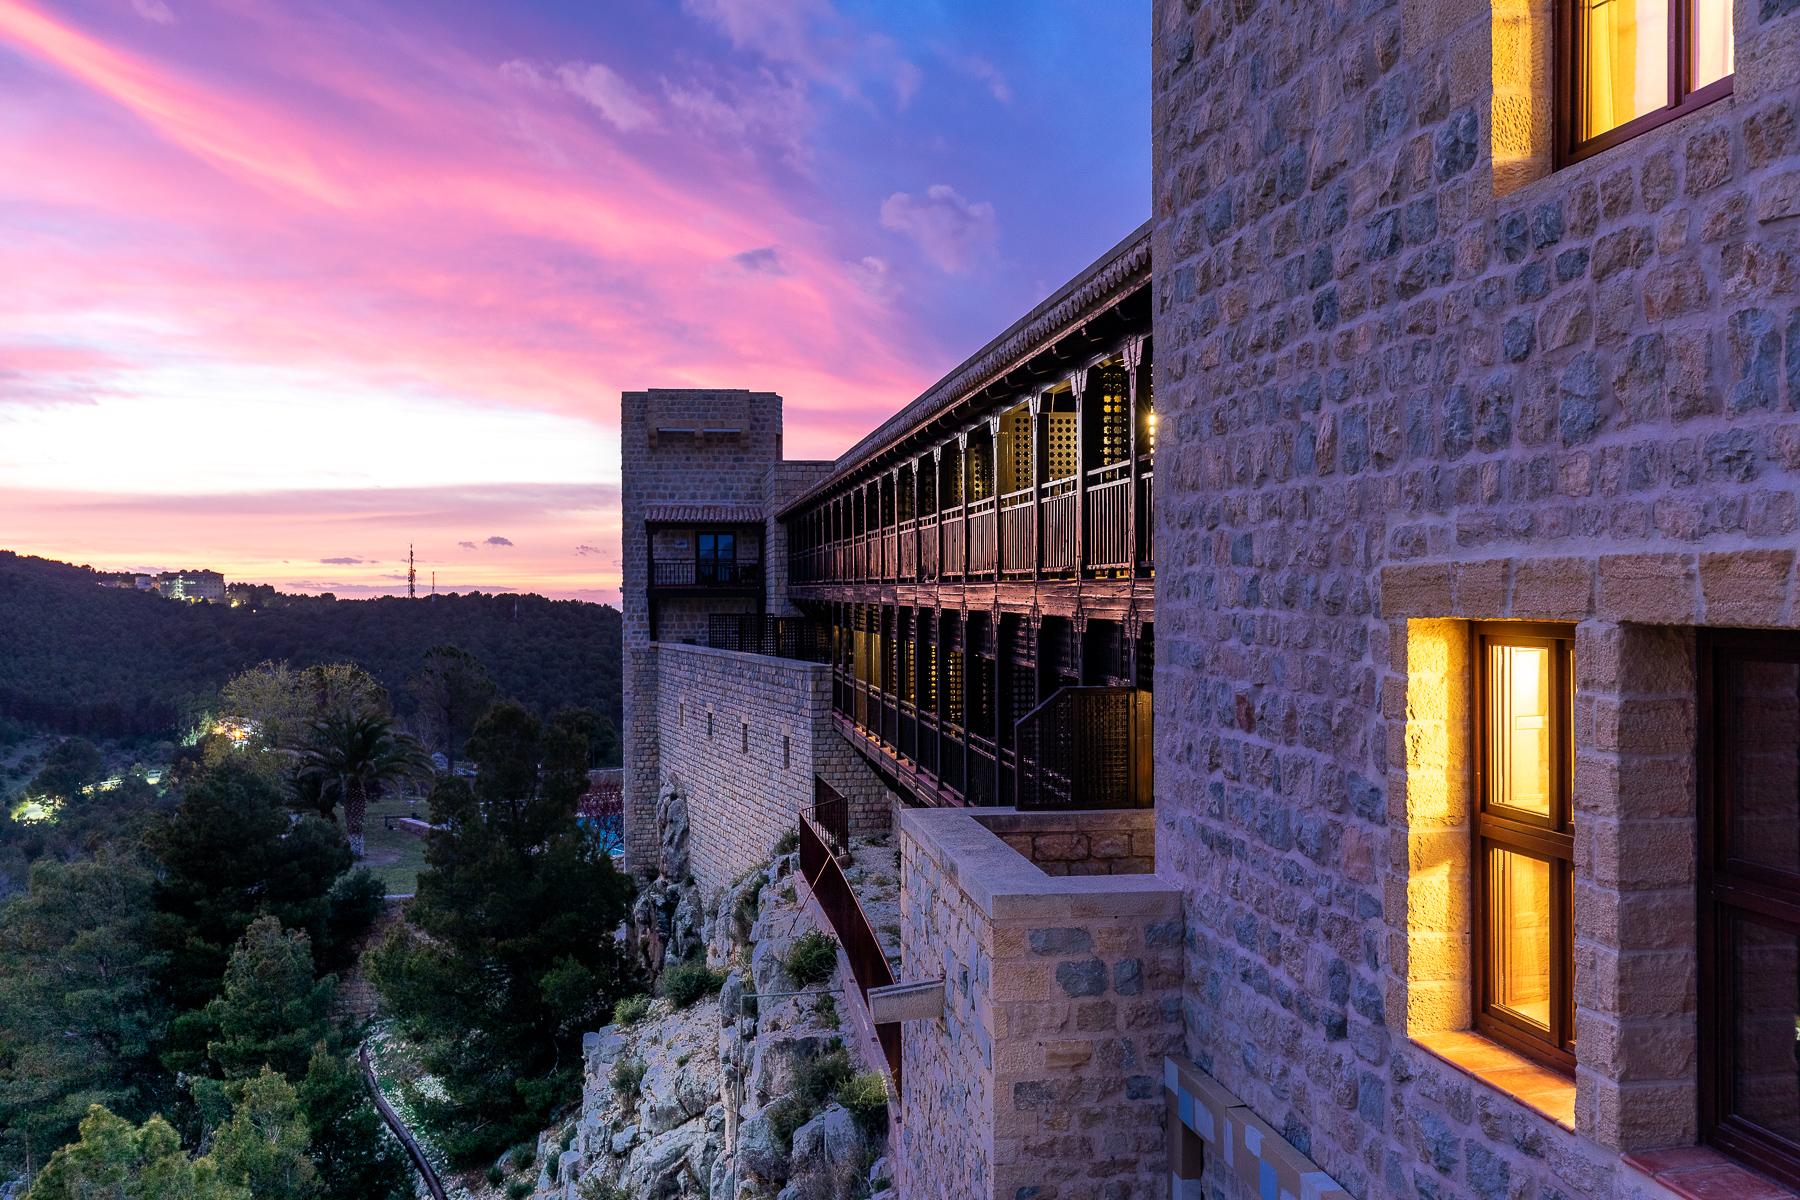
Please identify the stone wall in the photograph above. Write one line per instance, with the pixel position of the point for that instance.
(1406, 372)
(743, 736)
(1043, 1077)
(1081, 842)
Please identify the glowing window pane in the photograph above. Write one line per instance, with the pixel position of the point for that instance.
(1625, 64)
(1520, 755)
(1709, 23)
(1519, 937)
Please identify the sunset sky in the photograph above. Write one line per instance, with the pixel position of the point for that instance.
(285, 286)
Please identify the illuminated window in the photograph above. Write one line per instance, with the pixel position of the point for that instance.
(1524, 845)
(1633, 64)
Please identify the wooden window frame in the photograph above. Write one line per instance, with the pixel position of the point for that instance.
(1549, 839)
(1730, 889)
(1570, 148)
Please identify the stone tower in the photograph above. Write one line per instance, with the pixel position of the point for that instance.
(695, 469)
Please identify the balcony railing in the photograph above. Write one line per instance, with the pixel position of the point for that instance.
(1056, 520)
(1109, 538)
(983, 544)
(955, 547)
(909, 550)
(825, 878)
(928, 548)
(705, 573)
(780, 637)
(1086, 747)
(1018, 533)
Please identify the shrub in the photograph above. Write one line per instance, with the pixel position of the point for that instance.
(521, 1156)
(568, 1139)
(790, 842)
(785, 1116)
(819, 1080)
(628, 1078)
(866, 1096)
(684, 983)
(743, 917)
(595, 1188)
(827, 1010)
(518, 1189)
(631, 1010)
(496, 1175)
(811, 959)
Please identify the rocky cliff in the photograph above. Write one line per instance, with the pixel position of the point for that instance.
(735, 1096)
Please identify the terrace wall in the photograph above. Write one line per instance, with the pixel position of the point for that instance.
(743, 736)
(1404, 371)
(1043, 1075)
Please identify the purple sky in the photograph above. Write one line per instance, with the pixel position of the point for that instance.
(291, 285)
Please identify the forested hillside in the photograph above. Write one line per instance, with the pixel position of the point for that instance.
(76, 657)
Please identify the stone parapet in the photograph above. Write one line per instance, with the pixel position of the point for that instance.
(1062, 994)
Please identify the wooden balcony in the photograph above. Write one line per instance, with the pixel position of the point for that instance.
(705, 574)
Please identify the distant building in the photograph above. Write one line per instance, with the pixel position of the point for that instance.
(192, 586)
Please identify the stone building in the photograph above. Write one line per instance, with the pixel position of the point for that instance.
(1480, 361)
(1445, 839)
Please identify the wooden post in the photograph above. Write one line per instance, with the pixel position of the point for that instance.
(1134, 357)
(1078, 386)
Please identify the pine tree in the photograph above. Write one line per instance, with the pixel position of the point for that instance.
(80, 1017)
(357, 1158)
(518, 906)
(271, 1012)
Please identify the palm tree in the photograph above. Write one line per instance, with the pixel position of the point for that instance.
(351, 757)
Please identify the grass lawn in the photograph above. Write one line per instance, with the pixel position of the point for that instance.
(394, 856)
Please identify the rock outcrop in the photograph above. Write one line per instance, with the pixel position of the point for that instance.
(722, 1100)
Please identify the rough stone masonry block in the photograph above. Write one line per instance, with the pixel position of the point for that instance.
(1416, 591)
(1655, 589)
(1747, 587)
(1553, 589)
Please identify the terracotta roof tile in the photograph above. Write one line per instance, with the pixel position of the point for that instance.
(743, 514)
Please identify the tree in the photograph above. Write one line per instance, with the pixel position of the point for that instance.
(453, 690)
(80, 1013)
(600, 734)
(357, 1158)
(229, 853)
(353, 757)
(73, 764)
(116, 1160)
(271, 1012)
(264, 1146)
(517, 907)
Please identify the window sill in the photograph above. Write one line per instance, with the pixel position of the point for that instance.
(1702, 1173)
(1538, 1088)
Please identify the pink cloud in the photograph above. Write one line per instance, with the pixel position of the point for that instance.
(954, 234)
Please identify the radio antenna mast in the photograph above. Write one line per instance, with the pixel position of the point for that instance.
(412, 575)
